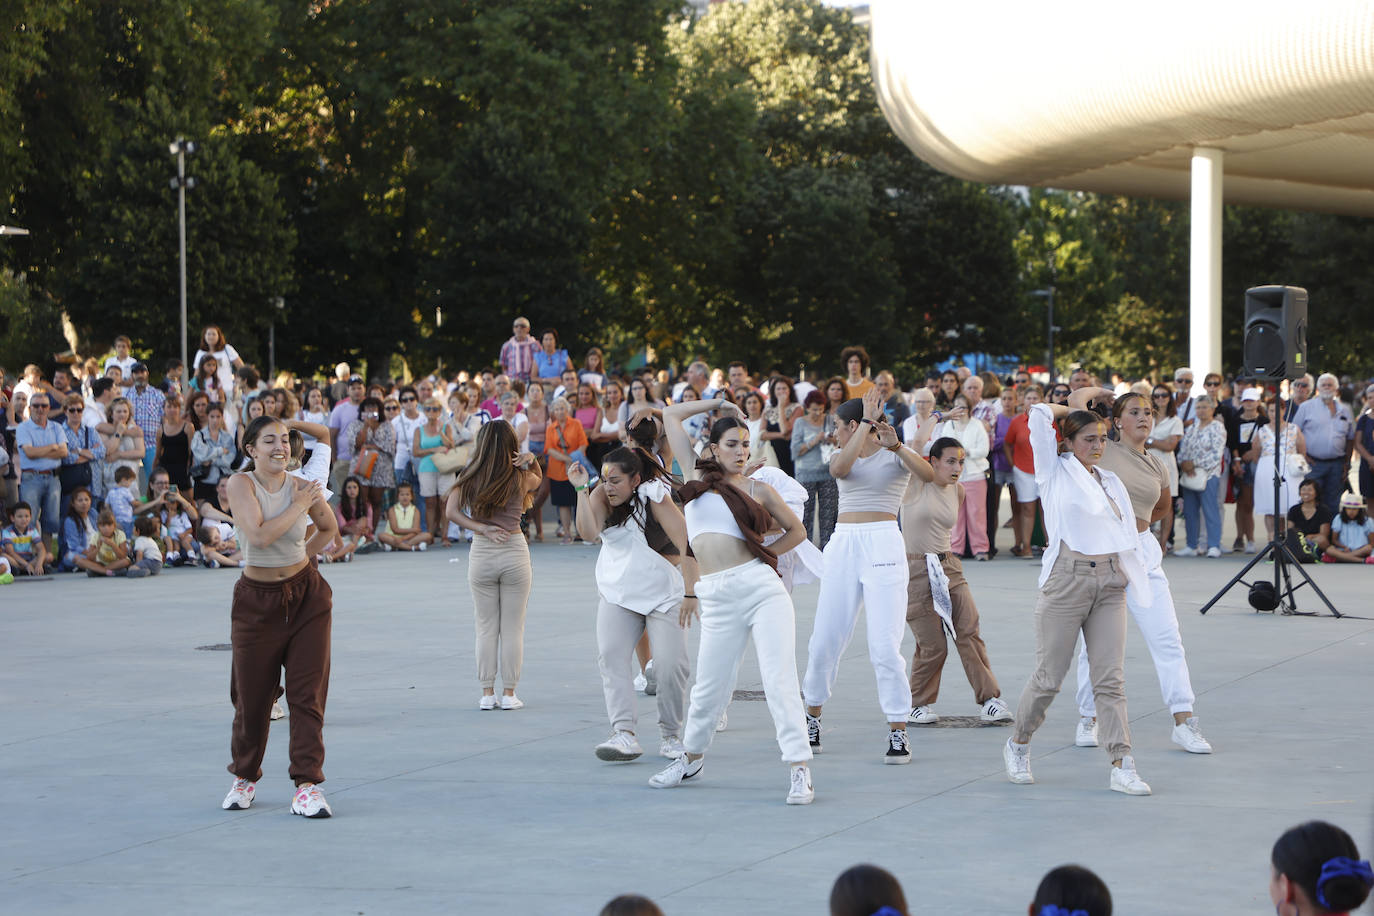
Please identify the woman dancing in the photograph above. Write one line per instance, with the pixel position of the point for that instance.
(739, 593)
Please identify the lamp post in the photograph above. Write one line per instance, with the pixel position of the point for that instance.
(279, 304)
(181, 148)
(1048, 294)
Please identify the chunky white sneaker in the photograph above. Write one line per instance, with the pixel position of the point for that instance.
(1213, 552)
(386, 548)
(309, 801)
(240, 795)
(724, 721)
(676, 772)
(641, 683)
(1126, 779)
(671, 747)
(898, 747)
(922, 715)
(801, 791)
(620, 746)
(1250, 547)
(995, 710)
(422, 546)
(1086, 735)
(650, 679)
(488, 701)
(1185, 552)
(512, 702)
(1017, 759)
(813, 732)
(1189, 737)
(277, 711)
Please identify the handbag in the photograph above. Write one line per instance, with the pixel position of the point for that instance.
(365, 464)
(1296, 466)
(454, 459)
(1195, 481)
(72, 476)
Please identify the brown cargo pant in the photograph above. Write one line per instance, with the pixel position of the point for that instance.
(928, 628)
(275, 625)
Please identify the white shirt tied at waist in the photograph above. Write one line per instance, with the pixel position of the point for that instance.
(803, 563)
(1077, 511)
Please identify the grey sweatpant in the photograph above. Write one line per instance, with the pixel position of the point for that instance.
(617, 631)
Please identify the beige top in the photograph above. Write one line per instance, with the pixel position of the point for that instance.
(1143, 474)
(929, 512)
(287, 550)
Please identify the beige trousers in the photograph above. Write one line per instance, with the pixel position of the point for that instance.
(928, 628)
(499, 576)
(1083, 594)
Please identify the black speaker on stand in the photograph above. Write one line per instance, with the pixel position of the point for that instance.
(1275, 349)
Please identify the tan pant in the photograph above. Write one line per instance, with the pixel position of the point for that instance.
(1087, 594)
(499, 576)
(928, 628)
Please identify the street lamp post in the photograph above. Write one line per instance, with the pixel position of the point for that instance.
(1048, 294)
(180, 148)
(279, 304)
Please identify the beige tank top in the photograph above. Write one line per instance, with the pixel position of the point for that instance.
(287, 550)
(928, 514)
(1143, 474)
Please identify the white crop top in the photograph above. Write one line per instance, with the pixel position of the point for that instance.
(708, 514)
(874, 484)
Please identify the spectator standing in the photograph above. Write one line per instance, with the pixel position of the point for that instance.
(1000, 475)
(1289, 456)
(780, 416)
(1329, 430)
(517, 353)
(344, 413)
(550, 362)
(970, 534)
(1163, 444)
(173, 375)
(406, 420)
(1200, 459)
(81, 468)
(123, 442)
(1364, 444)
(813, 439)
(147, 403)
(1183, 396)
(197, 409)
(122, 360)
(894, 407)
(1016, 446)
(97, 412)
(212, 454)
(698, 376)
(1243, 447)
(41, 444)
(949, 390)
(593, 370)
(374, 454)
(856, 383)
(564, 442)
(1299, 391)
(174, 444)
(227, 360)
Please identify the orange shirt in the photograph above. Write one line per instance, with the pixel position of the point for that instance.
(859, 390)
(574, 438)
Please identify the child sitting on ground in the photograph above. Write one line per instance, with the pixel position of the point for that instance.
(23, 544)
(111, 548)
(147, 551)
(1352, 533)
(122, 498)
(217, 545)
(403, 529)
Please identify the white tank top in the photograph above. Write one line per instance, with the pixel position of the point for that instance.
(629, 572)
(874, 484)
(708, 514)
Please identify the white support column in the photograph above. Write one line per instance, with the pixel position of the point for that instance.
(1204, 283)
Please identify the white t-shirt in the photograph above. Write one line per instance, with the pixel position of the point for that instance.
(149, 547)
(225, 358)
(126, 369)
(405, 435)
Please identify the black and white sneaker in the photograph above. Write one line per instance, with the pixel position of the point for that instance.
(898, 747)
(813, 732)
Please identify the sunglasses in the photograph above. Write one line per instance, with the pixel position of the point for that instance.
(433, 409)
(1301, 385)
(391, 408)
(1212, 384)
(407, 400)
(75, 410)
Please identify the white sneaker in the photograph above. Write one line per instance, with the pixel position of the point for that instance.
(488, 701)
(922, 715)
(1189, 737)
(1185, 552)
(995, 710)
(676, 772)
(422, 546)
(1017, 760)
(240, 795)
(898, 747)
(801, 791)
(1126, 779)
(671, 747)
(277, 711)
(512, 702)
(1086, 736)
(386, 548)
(309, 801)
(620, 746)
(641, 683)
(724, 721)
(650, 679)
(1213, 552)
(1250, 547)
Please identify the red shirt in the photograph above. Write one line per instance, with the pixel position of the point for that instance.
(1018, 437)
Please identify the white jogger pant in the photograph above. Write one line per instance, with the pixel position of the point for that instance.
(1158, 623)
(864, 564)
(618, 630)
(738, 603)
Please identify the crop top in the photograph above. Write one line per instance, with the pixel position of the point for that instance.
(708, 514)
(287, 550)
(874, 484)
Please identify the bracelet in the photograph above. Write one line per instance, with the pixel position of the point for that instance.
(580, 489)
(895, 448)
(685, 597)
(868, 421)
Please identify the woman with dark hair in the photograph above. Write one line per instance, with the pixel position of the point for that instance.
(214, 346)
(642, 573)
(1071, 890)
(855, 362)
(207, 380)
(778, 418)
(1352, 533)
(174, 444)
(1163, 444)
(813, 436)
(593, 370)
(490, 495)
(1201, 461)
(590, 415)
(1092, 554)
(281, 617)
(549, 362)
(762, 450)
(835, 395)
(865, 565)
(374, 453)
(1242, 425)
(197, 409)
(1153, 609)
(1058, 394)
(949, 390)
(867, 890)
(741, 595)
(1316, 870)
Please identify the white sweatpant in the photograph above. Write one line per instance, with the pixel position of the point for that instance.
(864, 563)
(740, 602)
(1158, 623)
(618, 629)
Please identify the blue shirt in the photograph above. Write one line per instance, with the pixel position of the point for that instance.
(1326, 433)
(31, 434)
(546, 366)
(90, 440)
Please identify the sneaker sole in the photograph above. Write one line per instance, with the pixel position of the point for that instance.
(1202, 750)
(322, 813)
(1126, 790)
(1079, 742)
(615, 756)
(237, 807)
(897, 759)
(923, 721)
(804, 800)
(1006, 718)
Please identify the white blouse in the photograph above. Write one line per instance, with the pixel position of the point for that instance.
(974, 438)
(1077, 509)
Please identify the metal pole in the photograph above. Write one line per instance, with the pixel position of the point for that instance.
(272, 349)
(1050, 312)
(181, 221)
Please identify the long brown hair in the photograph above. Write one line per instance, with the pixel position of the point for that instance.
(490, 481)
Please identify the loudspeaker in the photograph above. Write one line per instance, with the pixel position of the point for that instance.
(1275, 332)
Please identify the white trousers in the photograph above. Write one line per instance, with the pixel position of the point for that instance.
(864, 564)
(1158, 623)
(740, 602)
(618, 629)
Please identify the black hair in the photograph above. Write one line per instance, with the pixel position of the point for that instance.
(21, 505)
(101, 385)
(249, 376)
(549, 331)
(723, 426)
(71, 504)
(858, 351)
(639, 462)
(374, 402)
(937, 448)
(408, 389)
(1301, 853)
(644, 433)
(631, 905)
(147, 526)
(355, 507)
(851, 411)
(173, 363)
(865, 889)
(1073, 887)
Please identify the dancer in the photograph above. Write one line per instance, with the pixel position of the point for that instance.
(282, 614)
(1316, 869)
(938, 596)
(642, 574)
(491, 494)
(865, 563)
(1093, 552)
(1147, 483)
(740, 594)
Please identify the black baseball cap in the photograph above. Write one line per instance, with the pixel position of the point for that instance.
(138, 367)
(356, 380)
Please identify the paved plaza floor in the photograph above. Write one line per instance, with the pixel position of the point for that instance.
(114, 733)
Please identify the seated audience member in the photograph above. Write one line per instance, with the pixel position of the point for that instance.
(1315, 870)
(867, 890)
(111, 547)
(217, 545)
(147, 552)
(23, 544)
(404, 528)
(1071, 890)
(80, 533)
(1352, 533)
